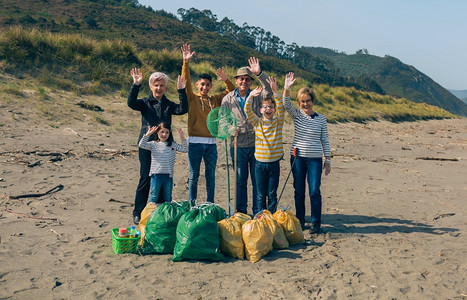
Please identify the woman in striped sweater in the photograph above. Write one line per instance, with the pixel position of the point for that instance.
(163, 150)
(312, 141)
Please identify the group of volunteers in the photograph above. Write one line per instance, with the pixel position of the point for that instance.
(260, 114)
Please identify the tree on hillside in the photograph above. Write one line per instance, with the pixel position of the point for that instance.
(361, 51)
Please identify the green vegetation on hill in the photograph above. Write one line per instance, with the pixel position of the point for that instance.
(146, 29)
(220, 43)
(86, 66)
(398, 79)
(366, 72)
(341, 104)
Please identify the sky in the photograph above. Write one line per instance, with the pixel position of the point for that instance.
(427, 34)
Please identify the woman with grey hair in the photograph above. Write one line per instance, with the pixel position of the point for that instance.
(154, 109)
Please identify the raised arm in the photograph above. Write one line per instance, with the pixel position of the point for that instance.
(151, 130)
(273, 84)
(181, 82)
(144, 142)
(277, 98)
(251, 116)
(254, 66)
(289, 81)
(183, 147)
(182, 107)
(186, 52)
(133, 102)
(262, 77)
(229, 86)
(181, 134)
(137, 76)
(223, 76)
(187, 56)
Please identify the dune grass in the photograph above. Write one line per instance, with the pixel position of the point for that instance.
(83, 66)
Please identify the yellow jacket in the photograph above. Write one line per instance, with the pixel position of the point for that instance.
(199, 108)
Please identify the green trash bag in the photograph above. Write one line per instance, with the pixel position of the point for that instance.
(215, 210)
(198, 235)
(161, 228)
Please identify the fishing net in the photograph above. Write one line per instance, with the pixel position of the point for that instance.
(222, 124)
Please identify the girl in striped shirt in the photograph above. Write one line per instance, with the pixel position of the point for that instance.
(312, 142)
(163, 150)
(268, 143)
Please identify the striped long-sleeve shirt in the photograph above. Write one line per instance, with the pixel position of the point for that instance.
(162, 156)
(268, 133)
(310, 134)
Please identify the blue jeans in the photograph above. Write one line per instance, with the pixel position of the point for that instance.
(245, 165)
(309, 169)
(196, 153)
(161, 184)
(267, 181)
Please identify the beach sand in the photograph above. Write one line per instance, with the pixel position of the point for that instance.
(394, 224)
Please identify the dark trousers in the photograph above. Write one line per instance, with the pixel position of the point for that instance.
(144, 184)
(245, 166)
(267, 182)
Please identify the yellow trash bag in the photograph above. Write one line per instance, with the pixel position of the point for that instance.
(279, 238)
(241, 217)
(231, 238)
(291, 225)
(257, 238)
(145, 214)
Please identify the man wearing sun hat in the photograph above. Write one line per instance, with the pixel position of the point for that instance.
(246, 135)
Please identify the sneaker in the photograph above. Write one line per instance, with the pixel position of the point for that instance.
(315, 227)
(136, 219)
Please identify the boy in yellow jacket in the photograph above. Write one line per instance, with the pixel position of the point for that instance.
(201, 144)
(268, 141)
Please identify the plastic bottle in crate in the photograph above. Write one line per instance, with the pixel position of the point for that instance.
(122, 232)
(133, 232)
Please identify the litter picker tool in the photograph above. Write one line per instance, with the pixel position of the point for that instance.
(295, 154)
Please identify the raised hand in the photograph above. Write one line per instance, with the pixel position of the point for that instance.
(256, 91)
(137, 76)
(254, 65)
(289, 80)
(152, 130)
(181, 82)
(221, 73)
(186, 52)
(272, 82)
(181, 134)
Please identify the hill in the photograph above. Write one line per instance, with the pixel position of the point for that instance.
(388, 75)
(114, 37)
(396, 78)
(46, 62)
(130, 22)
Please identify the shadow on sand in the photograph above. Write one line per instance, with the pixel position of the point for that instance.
(339, 223)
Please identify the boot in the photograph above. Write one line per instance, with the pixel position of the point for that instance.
(315, 227)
